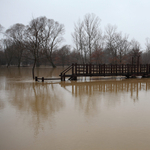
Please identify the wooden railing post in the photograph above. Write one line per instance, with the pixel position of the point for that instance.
(64, 77)
(128, 68)
(83, 69)
(111, 68)
(137, 69)
(36, 78)
(147, 67)
(76, 69)
(72, 69)
(104, 69)
(61, 77)
(86, 68)
(42, 79)
(131, 68)
(99, 68)
(90, 69)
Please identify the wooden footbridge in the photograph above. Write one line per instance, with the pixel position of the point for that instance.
(81, 70)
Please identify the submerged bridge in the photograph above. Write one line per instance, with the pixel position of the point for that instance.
(81, 70)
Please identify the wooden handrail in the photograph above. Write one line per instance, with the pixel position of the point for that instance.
(67, 69)
(106, 70)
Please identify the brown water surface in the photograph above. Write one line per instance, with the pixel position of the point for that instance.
(88, 114)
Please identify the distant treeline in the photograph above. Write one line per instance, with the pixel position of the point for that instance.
(38, 43)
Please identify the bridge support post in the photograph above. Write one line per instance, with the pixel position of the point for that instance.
(75, 78)
(63, 77)
(127, 75)
(36, 78)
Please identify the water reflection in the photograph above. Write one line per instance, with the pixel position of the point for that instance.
(90, 95)
(39, 100)
(132, 86)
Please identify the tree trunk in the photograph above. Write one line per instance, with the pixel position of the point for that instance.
(19, 64)
(53, 64)
(33, 69)
(51, 61)
(37, 63)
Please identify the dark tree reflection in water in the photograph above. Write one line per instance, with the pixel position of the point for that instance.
(37, 99)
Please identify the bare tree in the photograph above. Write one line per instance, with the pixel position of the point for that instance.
(147, 44)
(86, 35)
(2, 54)
(146, 53)
(42, 38)
(79, 40)
(97, 55)
(2, 58)
(63, 55)
(135, 51)
(122, 48)
(116, 45)
(52, 38)
(1, 28)
(92, 31)
(16, 34)
(111, 42)
(33, 39)
(8, 50)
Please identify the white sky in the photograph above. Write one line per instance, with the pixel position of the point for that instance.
(130, 16)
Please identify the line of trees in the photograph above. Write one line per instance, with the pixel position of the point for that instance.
(39, 43)
(109, 46)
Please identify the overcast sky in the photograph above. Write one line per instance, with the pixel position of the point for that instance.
(130, 16)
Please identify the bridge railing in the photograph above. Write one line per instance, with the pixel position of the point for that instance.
(109, 69)
(105, 70)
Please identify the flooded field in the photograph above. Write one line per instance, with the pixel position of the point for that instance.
(88, 114)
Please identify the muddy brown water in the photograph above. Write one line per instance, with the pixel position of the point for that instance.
(88, 114)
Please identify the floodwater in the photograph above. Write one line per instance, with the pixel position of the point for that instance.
(88, 114)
